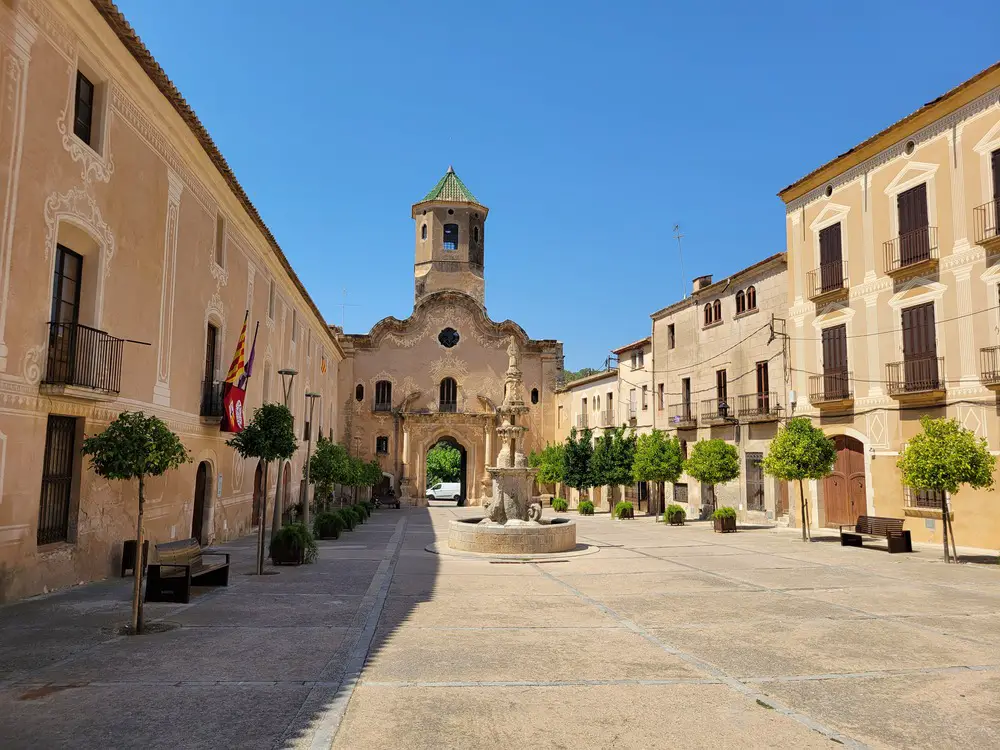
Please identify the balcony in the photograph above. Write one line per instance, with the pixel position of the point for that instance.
(828, 282)
(919, 378)
(759, 407)
(608, 418)
(914, 252)
(987, 220)
(448, 407)
(989, 367)
(581, 421)
(717, 411)
(633, 415)
(384, 407)
(831, 390)
(682, 417)
(211, 398)
(83, 362)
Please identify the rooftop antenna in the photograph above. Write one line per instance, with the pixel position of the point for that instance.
(343, 311)
(680, 258)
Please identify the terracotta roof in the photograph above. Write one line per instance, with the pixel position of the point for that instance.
(127, 35)
(450, 188)
(898, 130)
(633, 345)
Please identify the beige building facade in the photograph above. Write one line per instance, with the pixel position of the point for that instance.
(129, 254)
(720, 366)
(590, 402)
(439, 374)
(894, 289)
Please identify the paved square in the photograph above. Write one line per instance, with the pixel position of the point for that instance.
(666, 637)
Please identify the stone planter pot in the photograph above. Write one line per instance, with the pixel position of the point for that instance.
(676, 519)
(287, 556)
(724, 525)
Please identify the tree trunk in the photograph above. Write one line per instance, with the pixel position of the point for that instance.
(279, 500)
(140, 567)
(802, 511)
(262, 525)
(944, 526)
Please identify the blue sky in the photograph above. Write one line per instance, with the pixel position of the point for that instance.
(588, 128)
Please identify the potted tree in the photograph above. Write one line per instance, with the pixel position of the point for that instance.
(675, 515)
(658, 460)
(611, 462)
(293, 545)
(269, 437)
(135, 446)
(576, 468)
(724, 519)
(800, 451)
(713, 462)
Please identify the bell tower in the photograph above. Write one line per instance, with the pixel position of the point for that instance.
(450, 238)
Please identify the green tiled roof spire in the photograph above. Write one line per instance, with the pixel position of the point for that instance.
(450, 188)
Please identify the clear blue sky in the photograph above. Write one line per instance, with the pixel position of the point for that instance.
(588, 128)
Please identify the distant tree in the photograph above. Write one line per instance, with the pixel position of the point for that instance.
(577, 453)
(135, 446)
(550, 462)
(713, 462)
(329, 466)
(800, 451)
(611, 462)
(942, 458)
(444, 464)
(570, 375)
(658, 459)
(270, 436)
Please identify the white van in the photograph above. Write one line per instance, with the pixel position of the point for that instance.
(445, 491)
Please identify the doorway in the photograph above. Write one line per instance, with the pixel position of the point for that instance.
(845, 489)
(202, 487)
(445, 471)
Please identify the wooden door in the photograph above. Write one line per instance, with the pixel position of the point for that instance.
(201, 490)
(755, 481)
(995, 156)
(914, 239)
(844, 491)
(831, 267)
(781, 506)
(920, 366)
(835, 362)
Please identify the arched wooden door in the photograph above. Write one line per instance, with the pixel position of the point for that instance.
(201, 488)
(845, 494)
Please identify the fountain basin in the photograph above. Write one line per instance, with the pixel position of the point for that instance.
(549, 535)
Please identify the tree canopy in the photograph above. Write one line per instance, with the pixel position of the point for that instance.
(611, 462)
(571, 375)
(944, 457)
(657, 458)
(713, 462)
(577, 453)
(444, 464)
(800, 451)
(135, 445)
(270, 436)
(550, 462)
(330, 465)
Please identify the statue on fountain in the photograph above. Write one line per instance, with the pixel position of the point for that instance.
(513, 481)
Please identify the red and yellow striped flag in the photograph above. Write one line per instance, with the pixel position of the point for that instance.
(239, 362)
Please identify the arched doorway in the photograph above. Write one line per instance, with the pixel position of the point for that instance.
(258, 493)
(845, 494)
(286, 488)
(202, 488)
(434, 472)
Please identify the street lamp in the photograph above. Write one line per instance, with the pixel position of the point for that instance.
(311, 397)
(287, 379)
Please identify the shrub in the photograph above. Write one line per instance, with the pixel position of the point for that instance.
(328, 525)
(724, 512)
(624, 510)
(559, 505)
(363, 510)
(347, 517)
(359, 515)
(674, 514)
(586, 508)
(293, 539)
(370, 506)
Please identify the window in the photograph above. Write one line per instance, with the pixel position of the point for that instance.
(835, 377)
(359, 392)
(681, 488)
(475, 234)
(451, 236)
(671, 339)
(632, 407)
(645, 397)
(423, 232)
(559, 416)
(642, 358)
(610, 406)
(920, 363)
(741, 302)
(831, 267)
(448, 395)
(684, 452)
(83, 119)
(534, 395)
(448, 337)
(295, 324)
(751, 298)
(58, 464)
(583, 406)
(382, 445)
(914, 234)
(597, 403)
(383, 395)
(721, 390)
(211, 342)
(635, 360)
(220, 239)
(708, 314)
(660, 398)
(686, 396)
(763, 382)
(270, 300)
(66, 286)
(716, 311)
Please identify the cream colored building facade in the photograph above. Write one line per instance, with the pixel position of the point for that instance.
(128, 256)
(439, 375)
(894, 288)
(590, 402)
(720, 363)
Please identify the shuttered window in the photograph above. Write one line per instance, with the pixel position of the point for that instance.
(835, 378)
(831, 256)
(914, 237)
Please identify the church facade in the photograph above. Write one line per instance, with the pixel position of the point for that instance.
(438, 375)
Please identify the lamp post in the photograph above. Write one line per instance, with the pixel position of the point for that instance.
(311, 397)
(287, 379)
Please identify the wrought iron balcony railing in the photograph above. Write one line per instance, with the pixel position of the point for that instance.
(828, 280)
(989, 365)
(717, 411)
(682, 416)
(911, 249)
(211, 398)
(912, 376)
(830, 387)
(82, 356)
(382, 406)
(759, 407)
(608, 418)
(581, 421)
(987, 223)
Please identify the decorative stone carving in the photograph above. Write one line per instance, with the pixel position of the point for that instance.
(94, 166)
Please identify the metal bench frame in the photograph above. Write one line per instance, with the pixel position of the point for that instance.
(172, 581)
(876, 527)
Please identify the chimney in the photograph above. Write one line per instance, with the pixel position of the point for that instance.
(700, 283)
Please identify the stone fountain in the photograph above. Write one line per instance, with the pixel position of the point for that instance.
(513, 522)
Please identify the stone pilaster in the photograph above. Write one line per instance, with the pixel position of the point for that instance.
(161, 391)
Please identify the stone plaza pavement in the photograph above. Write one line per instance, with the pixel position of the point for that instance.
(665, 637)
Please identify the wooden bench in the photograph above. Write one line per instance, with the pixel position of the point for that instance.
(179, 566)
(877, 526)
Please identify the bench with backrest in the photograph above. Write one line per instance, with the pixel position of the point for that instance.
(876, 526)
(180, 566)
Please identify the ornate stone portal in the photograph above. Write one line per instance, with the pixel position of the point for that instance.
(513, 524)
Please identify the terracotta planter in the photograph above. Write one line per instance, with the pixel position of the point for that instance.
(724, 525)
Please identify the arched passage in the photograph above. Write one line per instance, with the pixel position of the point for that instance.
(462, 480)
(202, 493)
